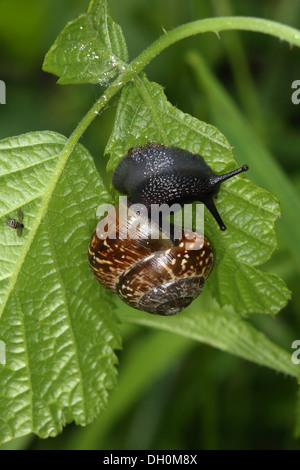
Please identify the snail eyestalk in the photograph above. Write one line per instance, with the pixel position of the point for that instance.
(215, 182)
(209, 203)
(226, 176)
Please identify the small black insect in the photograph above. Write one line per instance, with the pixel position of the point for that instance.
(17, 223)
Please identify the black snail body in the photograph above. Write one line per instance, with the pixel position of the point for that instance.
(161, 276)
(156, 174)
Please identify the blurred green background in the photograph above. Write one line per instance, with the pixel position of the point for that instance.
(188, 395)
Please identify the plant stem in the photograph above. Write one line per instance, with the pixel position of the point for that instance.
(215, 25)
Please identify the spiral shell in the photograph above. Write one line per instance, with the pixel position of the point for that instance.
(158, 276)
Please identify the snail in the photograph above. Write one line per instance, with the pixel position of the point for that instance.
(156, 274)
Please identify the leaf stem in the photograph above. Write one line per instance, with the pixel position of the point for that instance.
(214, 25)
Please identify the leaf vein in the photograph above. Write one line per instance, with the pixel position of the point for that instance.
(68, 316)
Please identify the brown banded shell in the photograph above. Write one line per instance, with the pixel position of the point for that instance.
(155, 275)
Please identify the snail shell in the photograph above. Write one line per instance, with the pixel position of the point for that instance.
(155, 275)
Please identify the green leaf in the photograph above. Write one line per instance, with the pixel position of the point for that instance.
(91, 49)
(145, 115)
(57, 323)
(204, 321)
(246, 142)
(141, 356)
